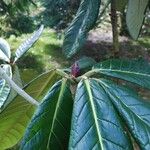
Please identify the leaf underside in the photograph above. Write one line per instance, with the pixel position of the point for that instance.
(4, 50)
(95, 123)
(12, 93)
(135, 16)
(15, 117)
(137, 72)
(50, 126)
(4, 86)
(24, 47)
(84, 20)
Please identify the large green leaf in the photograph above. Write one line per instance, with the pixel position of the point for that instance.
(4, 50)
(135, 16)
(135, 111)
(133, 71)
(50, 126)
(15, 117)
(84, 20)
(4, 87)
(95, 123)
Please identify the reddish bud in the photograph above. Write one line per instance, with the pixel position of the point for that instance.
(75, 70)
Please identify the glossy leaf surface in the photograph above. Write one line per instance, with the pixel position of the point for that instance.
(50, 126)
(135, 112)
(133, 71)
(84, 20)
(95, 123)
(15, 117)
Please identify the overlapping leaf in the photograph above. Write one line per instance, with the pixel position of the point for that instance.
(23, 48)
(4, 87)
(135, 16)
(134, 110)
(11, 94)
(84, 20)
(95, 123)
(133, 71)
(4, 50)
(15, 117)
(50, 126)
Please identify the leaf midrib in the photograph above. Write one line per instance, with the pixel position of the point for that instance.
(121, 71)
(101, 82)
(56, 110)
(87, 84)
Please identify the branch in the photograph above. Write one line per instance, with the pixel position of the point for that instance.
(17, 88)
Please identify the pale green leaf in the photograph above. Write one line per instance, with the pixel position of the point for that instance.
(135, 16)
(15, 117)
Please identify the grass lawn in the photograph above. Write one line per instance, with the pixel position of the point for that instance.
(44, 55)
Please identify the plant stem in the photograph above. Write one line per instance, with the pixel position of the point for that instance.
(114, 22)
(17, 88)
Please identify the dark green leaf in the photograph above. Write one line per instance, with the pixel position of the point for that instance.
(15, 117)
(135, 111)
(84, 20)
(85, 62)
(50, 126)
(24, 47)
(135, 16)
(95, 123)
(133, 71)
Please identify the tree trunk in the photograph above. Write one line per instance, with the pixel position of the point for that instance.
(115, 32)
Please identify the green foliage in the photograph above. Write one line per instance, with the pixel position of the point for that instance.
(8, 63)
(132, 71)
(15, 117)
(88, 111)
(58, 13)
(135, 16)
(15, 18)
(53, 120)
(87, 16)
(85, 19)
(96, 122)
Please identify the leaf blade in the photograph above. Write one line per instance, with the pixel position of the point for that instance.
(135, 16)
(76, 33)
(4, 86)
(5, 53)
(25, 46)
(137, 72)
(51, 132)
(91, 115)
(134, 111)
(18, 113)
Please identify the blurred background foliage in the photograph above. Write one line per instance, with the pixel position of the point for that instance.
(19, 18)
